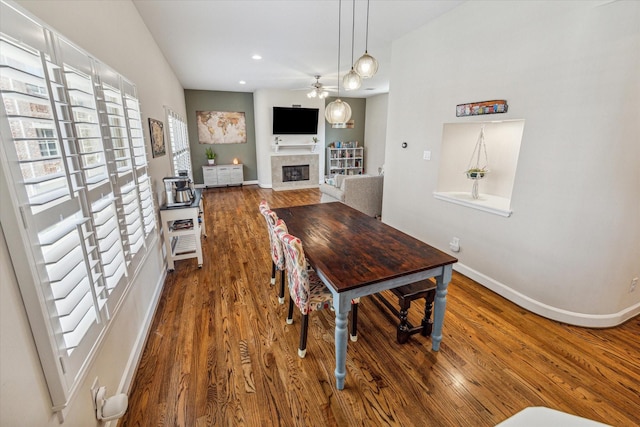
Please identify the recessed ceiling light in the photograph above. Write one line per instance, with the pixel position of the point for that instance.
(256, 57)
(242, 82)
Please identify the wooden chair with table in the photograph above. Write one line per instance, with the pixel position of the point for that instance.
(277, 256)
(307, 291)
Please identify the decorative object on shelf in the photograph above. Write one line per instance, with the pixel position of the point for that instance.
(484, 107)
(156, 129)
(235, 161)
(347, 160)
(476, 170)
(315, 139)
(338, 111)
(352, 80)
(211, 155)
(318, 89)
(366, 65)
(220, 127)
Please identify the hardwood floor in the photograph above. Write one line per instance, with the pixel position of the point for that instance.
(220, 353)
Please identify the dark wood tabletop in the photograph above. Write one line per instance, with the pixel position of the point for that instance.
(352, 249)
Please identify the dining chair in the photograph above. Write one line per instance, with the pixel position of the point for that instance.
(306, 289)
(277, 256)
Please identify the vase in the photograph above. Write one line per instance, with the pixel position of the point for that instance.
(211, 162)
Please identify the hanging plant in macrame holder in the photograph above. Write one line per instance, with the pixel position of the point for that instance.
(477, 169)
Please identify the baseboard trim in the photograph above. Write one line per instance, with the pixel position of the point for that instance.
(141, 340)
(545, 310)
(204, 187)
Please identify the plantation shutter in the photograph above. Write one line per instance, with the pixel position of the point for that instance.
(74, 164)
(179, 140)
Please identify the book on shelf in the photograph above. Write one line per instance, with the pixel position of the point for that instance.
(182, 224)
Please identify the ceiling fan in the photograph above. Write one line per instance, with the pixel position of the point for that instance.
(319, 90)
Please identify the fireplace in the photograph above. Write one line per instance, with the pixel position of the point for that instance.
(295, 173)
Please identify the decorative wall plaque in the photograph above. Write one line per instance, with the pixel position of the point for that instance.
(481, 108)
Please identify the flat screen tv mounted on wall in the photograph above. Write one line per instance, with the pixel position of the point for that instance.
(295, 121)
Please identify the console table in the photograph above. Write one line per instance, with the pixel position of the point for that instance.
(222, 175)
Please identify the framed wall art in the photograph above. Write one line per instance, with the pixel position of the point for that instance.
(221, 127)
(156, 129)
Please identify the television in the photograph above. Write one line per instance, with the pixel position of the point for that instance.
(295, 121)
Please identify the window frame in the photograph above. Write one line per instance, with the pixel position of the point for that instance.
(178, 137)
(92, 207)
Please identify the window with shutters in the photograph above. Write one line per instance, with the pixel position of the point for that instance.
(73, 158)
(179, 140)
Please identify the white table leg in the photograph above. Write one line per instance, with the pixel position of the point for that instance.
(341, 348)
(442, 282)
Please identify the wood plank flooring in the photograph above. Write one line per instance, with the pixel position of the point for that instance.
(220, 353)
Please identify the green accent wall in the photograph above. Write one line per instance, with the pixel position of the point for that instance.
(358, 115)
(204, 100)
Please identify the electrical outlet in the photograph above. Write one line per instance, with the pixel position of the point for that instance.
(454, 244)
(634, 284)
(426, 155)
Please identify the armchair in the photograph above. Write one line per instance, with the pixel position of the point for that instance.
(361, 192)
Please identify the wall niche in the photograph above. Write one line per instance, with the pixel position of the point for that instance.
(502, 140)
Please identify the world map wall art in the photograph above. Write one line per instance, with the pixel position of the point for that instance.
(221, 127)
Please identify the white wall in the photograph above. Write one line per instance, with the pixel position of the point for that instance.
(375, 132)
(570, 69)
(264, 101)
(114, 33)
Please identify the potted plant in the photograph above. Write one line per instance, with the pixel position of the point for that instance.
(476, 173)
(211, 155)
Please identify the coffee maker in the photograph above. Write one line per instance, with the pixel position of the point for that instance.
(178, 191)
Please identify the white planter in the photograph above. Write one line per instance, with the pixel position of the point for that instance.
(211, 162)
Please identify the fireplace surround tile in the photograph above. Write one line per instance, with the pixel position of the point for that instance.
(278, 161)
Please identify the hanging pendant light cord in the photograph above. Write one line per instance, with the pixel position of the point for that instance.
(366, 37)
(353, 30)
(339, 30)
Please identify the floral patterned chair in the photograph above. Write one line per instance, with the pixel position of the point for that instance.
(307, 291)
(277, 256)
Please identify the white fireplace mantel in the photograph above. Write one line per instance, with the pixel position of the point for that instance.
(307, 145)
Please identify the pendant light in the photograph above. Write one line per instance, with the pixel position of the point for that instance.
(352, 80)
(367, 65)
(338, 112)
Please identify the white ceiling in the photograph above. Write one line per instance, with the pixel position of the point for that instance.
(209, 43)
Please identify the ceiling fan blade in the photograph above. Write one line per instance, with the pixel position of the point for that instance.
(318, 85)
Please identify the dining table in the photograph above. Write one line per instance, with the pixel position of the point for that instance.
(356, 255)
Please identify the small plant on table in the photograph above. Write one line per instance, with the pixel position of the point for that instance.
(211, 155)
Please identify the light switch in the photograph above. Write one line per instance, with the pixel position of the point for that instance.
(426, 155)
